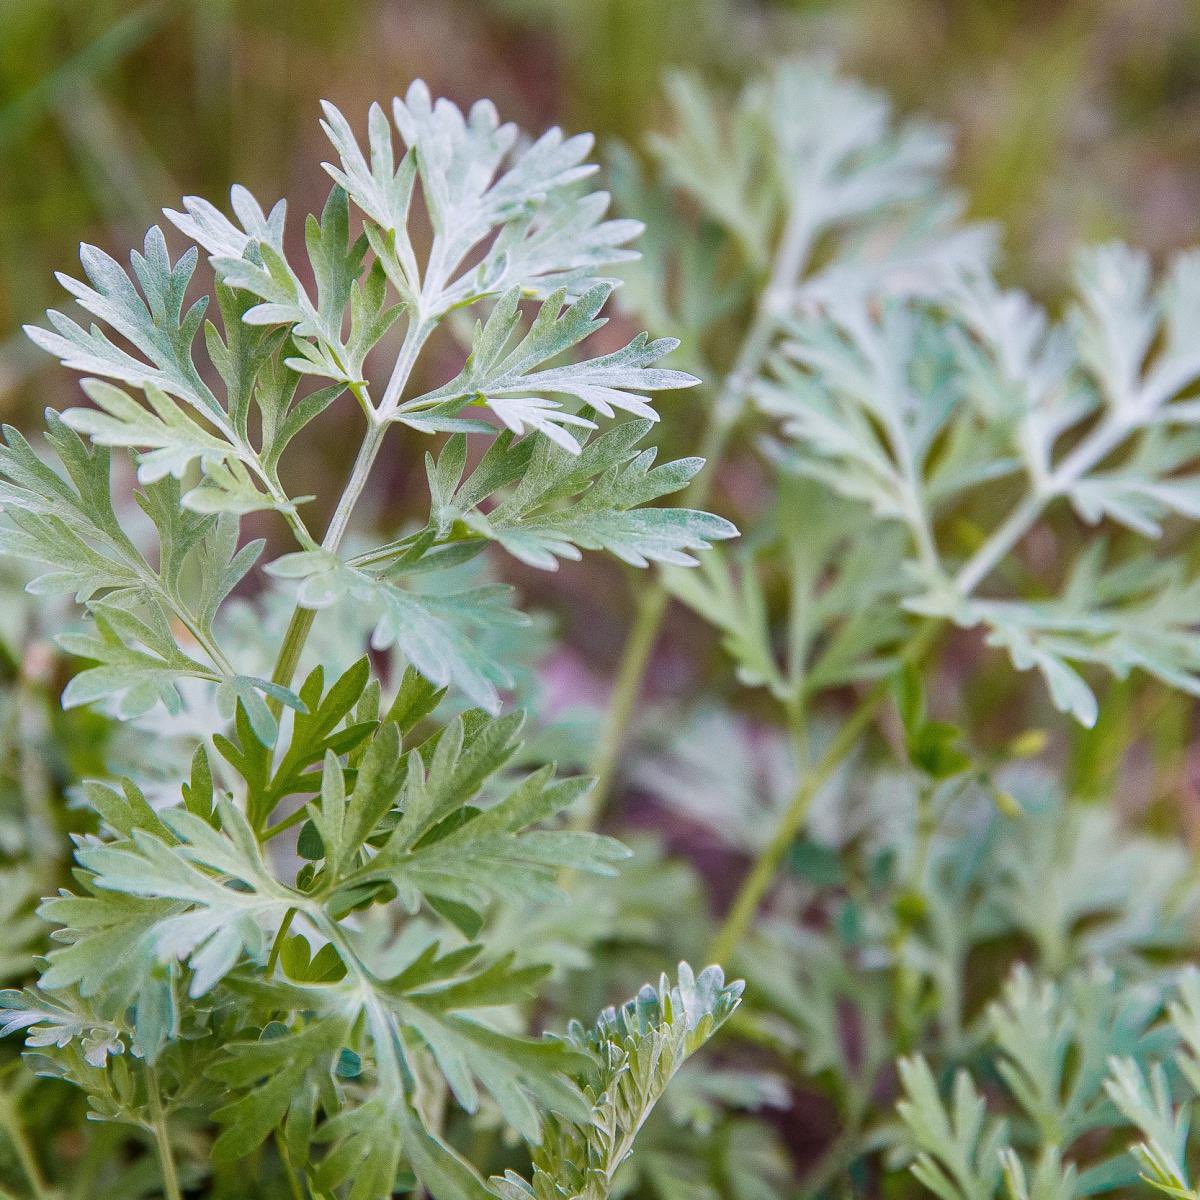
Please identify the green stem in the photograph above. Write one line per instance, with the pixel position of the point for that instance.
(277, 944)
(908, 979)
(1093, 449)
(723, 413)
(162, 1141)
(302, 618)
(796, 709)
(289, 822)
(289, 1170)
(11, 1122)
(1006, 536)
(762, 873)
(626, 688)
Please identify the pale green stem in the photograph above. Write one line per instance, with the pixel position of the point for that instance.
(723, 413)
(302, 618)
(1094, 448)
(277, 945)
(756, 883)
(796, 709)
(762, 873)
(294, 1185)
(1005, 537)
(162, 1141)
(626, 688)
(908, 979)
(10, 1121)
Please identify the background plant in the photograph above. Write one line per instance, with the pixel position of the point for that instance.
(913, 868)
(331, 999)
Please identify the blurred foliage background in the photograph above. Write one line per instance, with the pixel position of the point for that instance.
(1075, 120)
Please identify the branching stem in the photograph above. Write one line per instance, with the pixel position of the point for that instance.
(791, 257)
(762, 873)
(277, 945)
(639, 642)
(10, 1120)
(1094, 448)
(301, 623)
(162, 1141)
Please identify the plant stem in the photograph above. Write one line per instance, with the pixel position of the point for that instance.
(626, 687)
(282, 826)
(1094, 448)
(754, 886)
(171, 1189)
(11, 1122)
(302, 618)
(289, 1170)
(277, 944)
(1006, 536)
(723, 413)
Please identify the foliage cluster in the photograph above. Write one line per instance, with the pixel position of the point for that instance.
(326, 878)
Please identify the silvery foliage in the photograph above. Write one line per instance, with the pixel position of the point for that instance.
(31, 849)
(509, 223)
(335, 1003)
(911, 397)
(911, 386)
(806, 156)
(914, 409)
(809, 190)
(1053, 1045)
(640, 1047)
(899, 890)
(1158, 1099)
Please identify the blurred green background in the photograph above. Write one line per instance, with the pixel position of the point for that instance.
(1074, 118)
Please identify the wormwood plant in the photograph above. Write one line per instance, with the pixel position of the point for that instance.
(806, 184)
(907, 910)
(318, 899)
(294, 952)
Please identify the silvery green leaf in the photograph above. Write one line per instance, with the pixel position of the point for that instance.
(562, 244)
(544, 416)
(553, 502)
(721, 161)
(1135, 616)
(499, 369)
(864, 398)
(169, 439)
(50, 1021)
(153, 321)
(637, 1049)
(844, 584)
(957, 1145)
(432, 631)
(213, 897)
(477, 177)
(137, 662)
(207, 226)
(485, 855)
(857, 163)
